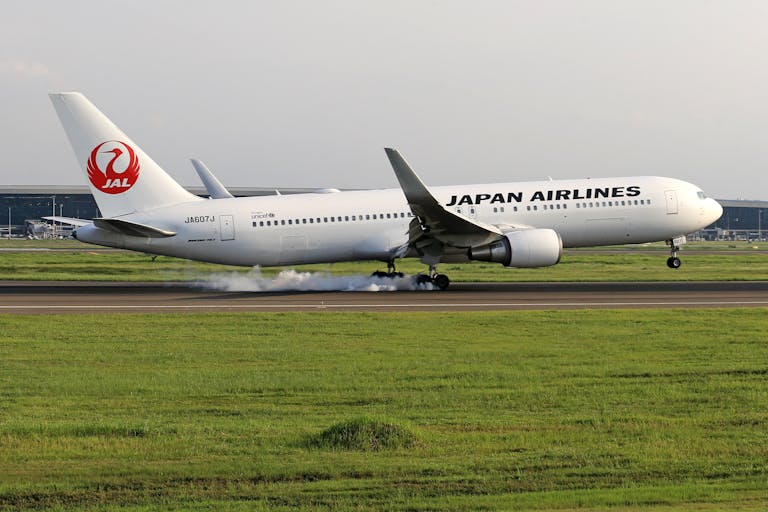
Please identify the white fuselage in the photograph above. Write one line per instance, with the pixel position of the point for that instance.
(374, 224)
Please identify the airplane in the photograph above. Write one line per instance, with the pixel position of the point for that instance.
(516, 224)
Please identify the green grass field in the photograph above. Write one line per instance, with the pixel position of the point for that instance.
(76, 261)
(560, 410)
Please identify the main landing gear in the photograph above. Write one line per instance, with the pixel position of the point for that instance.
(440, 281)
(391, 272)
(673, 261)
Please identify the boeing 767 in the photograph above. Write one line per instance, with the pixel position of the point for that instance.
(515, 224)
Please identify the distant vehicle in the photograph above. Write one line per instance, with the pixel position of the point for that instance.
(516, 224)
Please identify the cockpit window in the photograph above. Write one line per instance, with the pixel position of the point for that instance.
(701, 195)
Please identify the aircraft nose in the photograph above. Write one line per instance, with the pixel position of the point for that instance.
(714, 210)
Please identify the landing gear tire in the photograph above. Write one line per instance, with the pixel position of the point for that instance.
(673, 261)
(391, 272)
(423, 279)
(387, 275)
(441, 281)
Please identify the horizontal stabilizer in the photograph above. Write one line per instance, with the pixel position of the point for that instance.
(69, 220)
(132, 228)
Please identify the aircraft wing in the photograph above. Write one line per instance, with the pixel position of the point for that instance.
(433, 222)
(70, 221)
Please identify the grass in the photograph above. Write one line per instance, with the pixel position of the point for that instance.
(731, 261)
(363, 434)
(554, 410)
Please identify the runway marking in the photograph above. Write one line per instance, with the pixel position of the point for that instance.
(581, 305)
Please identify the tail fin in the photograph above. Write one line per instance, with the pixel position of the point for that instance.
(123, 179)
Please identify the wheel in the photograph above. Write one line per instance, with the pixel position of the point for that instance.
(380, 274)
(441, 281)
(422, 279)
(674, 262)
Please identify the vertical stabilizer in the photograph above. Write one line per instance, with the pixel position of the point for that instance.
(123, 179)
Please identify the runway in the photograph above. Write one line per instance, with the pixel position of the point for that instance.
(92, 297)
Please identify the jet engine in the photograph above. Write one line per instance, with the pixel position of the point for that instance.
(526, 248)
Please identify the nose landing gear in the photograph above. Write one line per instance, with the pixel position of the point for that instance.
(673, 261)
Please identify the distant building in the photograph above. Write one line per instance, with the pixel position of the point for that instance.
(741, 220)
(21, 206)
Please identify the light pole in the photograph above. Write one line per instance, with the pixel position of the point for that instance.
(759, 233)
(9, 223)
(61, 214)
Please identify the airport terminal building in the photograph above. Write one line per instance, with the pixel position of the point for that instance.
(22, 207)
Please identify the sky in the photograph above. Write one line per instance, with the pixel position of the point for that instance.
(308, 93)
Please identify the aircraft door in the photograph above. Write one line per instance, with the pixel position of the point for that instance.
(227, 227)
(671, 198)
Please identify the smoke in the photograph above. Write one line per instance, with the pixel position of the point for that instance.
(290, 280)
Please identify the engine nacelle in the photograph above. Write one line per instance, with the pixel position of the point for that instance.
(527, 248)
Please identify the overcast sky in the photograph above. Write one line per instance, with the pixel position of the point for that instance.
(308, 93)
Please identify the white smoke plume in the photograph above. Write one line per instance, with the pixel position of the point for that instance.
(291, 280)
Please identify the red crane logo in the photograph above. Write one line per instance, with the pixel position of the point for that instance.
(111, 181)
